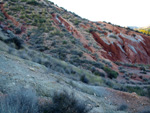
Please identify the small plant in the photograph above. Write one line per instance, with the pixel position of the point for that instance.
(84, 79)
(24, 0)
(122, 107)
(113, 36)
(109, 83)
(142, 68)
(140, 91)
(64, 103)
(14, 0)
(148, 92)
(33, 2)
(18, 30)
(111, 73)
(64, 42)
(97, 72)
(18, 42)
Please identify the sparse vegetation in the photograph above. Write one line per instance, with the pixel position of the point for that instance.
(26, 101)
(21, 101)
(63, 102)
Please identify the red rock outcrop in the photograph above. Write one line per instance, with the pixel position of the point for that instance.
(125, 45)
(128, 46)
(77, 34)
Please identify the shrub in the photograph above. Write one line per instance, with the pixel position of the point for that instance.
(33, 2)
(42, 20)
(109, 83)
(64, 42)
(76, 22)
(14, 0)
(145, 79)
(24, 0)
(21, 101)
(142, 68)
(143, 72)
(18, 42)
(113, 36)
(145, 111)
(111, 73)
(140, 91)
(64, 103)
(148, 92)
(84, 79)
(18, 31)
(122, 107)
(77, 52)
(97, 72)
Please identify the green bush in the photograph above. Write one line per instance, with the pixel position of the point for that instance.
(64, 42)
(111, 73)
(42, 20)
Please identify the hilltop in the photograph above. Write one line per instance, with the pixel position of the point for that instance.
(47, 48)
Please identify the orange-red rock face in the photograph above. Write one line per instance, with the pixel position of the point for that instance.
(129, 46)
(126, 45)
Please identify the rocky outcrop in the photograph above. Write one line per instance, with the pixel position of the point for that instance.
(61, 21)
(119, 44)
(71, 28)
(124, 45)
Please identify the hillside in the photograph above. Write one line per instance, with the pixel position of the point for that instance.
(145, 30)
(47, 48)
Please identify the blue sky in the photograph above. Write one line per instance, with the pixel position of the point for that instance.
(120, 12)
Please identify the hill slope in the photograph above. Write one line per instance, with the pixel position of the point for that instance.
(84, 56)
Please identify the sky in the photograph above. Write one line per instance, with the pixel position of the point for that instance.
(119, 12)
